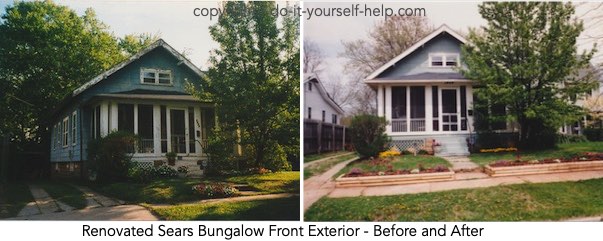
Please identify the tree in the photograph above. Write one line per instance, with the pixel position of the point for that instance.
(387, 39)
(529, 63)
(133, 43)
(254, 79)
(313, 57)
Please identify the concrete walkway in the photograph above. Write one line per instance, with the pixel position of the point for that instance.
(95, 200)
(315, 162)
(461, 163)
(321, 185)
(467, 183)
(117, 213)
(43, 204)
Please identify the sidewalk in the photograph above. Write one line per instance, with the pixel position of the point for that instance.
(318, 186)
(479, 182)
(315, 162)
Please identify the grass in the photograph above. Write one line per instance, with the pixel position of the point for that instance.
(177, 190)
(401, 162)
(562, 150)
(321, 167)
(65, 193)
(314, 157)
(270, 209)
(545, 201)
(13, 197)
(277, 182)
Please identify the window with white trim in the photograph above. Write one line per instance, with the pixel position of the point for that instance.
(443, 60)
(156, 76)
(66, 131)
(73, 127)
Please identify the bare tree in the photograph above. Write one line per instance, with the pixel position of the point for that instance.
(313, 57)
(387, 39)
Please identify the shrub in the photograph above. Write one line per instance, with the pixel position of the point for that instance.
(390, 153)
(563, 138)
(183, 169)
(368, 135)
(215, 190)
(110, 156)
(146, 174)
(593, 134)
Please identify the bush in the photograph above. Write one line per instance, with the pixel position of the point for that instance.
(593, 134)
(146, 174)
(563, 138)
(110, 156)
(368, 135)
(215, 190)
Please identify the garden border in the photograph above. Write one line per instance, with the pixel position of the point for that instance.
(544, 168)
(399, 179)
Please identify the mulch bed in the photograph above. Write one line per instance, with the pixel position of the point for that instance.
(588, 156)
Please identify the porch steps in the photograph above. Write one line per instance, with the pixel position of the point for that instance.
(453, 145)
(193, 168)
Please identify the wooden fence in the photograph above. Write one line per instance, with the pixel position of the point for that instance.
(320, 137)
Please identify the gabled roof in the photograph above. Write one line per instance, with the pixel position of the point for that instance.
(323, 92)
(437, 32)
(156, 44)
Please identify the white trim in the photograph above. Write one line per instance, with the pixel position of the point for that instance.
(441, 29)
(158, 43)
(65, 134)
(156, 72)
(444, 60)
(73, 128)
(425, 81)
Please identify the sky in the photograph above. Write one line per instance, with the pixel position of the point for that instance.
(172, 20)
(329, 32)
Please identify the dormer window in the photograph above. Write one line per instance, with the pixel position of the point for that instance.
(443, 60)
(156, 76)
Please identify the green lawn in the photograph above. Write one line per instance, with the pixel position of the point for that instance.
(400, 162)
(178, 190)
(271, 209)
(323, 166)
(546, 201)
(277, 182)
(314, 157)
(13, 197)
(65, 193)
(563, 150)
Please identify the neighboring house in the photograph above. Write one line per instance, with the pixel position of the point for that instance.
(318, 104)
(576, 127)
(423, 96)
(323, 131)
(144, 95)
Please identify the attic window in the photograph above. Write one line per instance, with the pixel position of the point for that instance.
(444, 60)
(156, 76)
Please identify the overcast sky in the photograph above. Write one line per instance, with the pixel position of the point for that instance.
(173, 20)
(329, 32)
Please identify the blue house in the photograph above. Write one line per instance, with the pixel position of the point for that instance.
(423, 96)
(144, 95)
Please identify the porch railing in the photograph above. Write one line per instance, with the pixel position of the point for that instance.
(146, 146)
(399, 125)
(179, 143)
(417, 124)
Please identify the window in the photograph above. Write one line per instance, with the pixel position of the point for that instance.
(125, 118)
(73, 127)
(334, 118)
(310, 86)
(66, 131)
(156, 76)
(323, 115)
(309, 112)
(398, 102)
(443, 60)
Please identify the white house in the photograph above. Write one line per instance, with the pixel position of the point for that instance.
(318, 104)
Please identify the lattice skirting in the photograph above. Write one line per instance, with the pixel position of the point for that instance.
(143, 164)
(416, 144)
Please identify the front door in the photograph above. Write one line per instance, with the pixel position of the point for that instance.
(178, 130)
(450, 112)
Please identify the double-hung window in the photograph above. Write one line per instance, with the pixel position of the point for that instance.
(444, 60)
(156, 76)
(66, 131)
(73, 127)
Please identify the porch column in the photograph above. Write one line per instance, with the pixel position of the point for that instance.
(186, 130)
(104, 119)
(157, 129)
(113, 116)
(469, 91)
(380, 104)
(407, 108)
(136, 119)
(197, 130)
(388, 108)
(428, 109)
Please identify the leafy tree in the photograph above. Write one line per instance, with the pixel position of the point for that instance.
(254, 79)
(368, 135)
(133, 43)
(526, 59)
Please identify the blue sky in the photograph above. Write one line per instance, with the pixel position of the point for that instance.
(173, 20)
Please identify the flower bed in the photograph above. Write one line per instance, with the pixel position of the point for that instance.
(584, 162)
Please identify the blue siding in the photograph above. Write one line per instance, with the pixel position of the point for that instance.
(126, 79)
(418, 61)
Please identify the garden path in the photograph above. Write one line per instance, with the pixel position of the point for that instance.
(307, 164)
(461, 163)
(321, 185)
(462, 183)
(43, 203)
